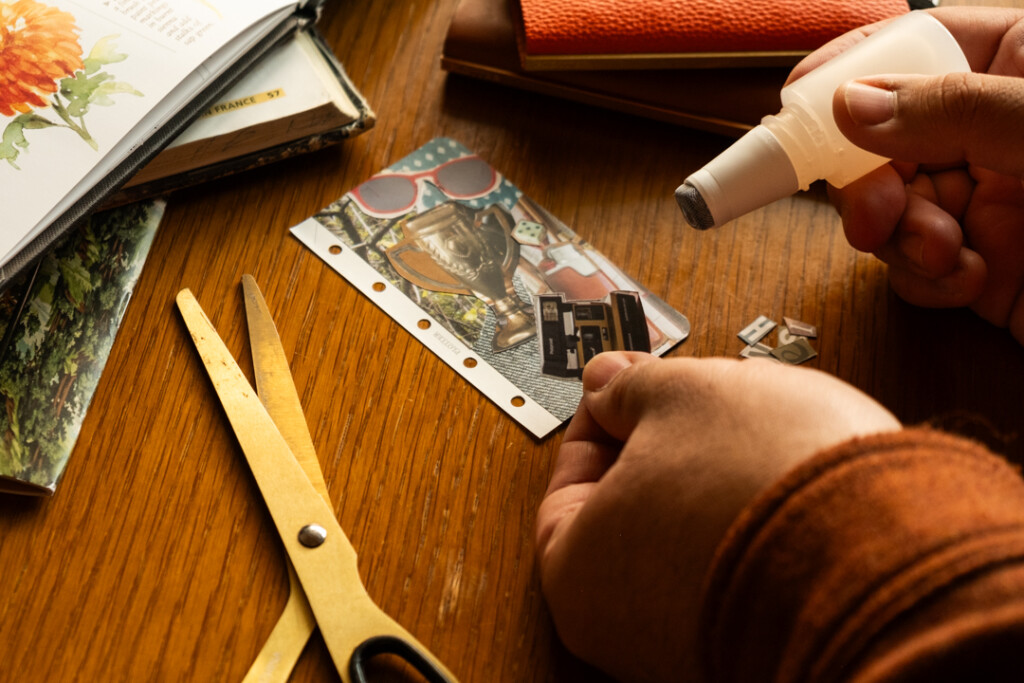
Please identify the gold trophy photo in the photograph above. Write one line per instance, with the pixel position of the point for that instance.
(452, 248)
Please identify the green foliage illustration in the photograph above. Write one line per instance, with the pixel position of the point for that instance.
(91, 85)
(56, 349)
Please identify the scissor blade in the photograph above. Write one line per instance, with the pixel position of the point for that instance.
(290, 496)
(280, 652)
(347, 616)
(275, 386)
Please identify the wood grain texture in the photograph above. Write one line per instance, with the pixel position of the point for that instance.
(156, 559)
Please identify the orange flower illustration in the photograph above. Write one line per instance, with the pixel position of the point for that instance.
(38, 47)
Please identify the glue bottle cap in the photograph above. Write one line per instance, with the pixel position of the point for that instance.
(753, 172)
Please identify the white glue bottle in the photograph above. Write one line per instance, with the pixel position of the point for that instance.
(802, 144)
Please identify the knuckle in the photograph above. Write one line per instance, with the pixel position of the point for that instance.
(649, 380)
(1013, 43)
(669, 386)
(959, 98)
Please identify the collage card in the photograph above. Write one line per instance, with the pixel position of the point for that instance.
(458, 255)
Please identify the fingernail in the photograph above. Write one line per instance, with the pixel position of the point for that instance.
(602, 369)
(912, 246)
(869, 105)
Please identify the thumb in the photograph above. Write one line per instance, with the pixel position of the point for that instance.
(612, 394)
(956, 118)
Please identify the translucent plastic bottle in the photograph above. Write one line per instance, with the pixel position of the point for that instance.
(802, 144)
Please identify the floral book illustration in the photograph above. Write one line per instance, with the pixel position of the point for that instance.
(57, 325)
(53, 84)
(456, 254)
(91, 89)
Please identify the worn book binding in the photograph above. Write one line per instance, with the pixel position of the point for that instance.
(296, 100)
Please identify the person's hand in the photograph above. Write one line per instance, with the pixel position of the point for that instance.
(657, 463)
(948, 215)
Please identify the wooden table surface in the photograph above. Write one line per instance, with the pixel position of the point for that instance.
(156, 559)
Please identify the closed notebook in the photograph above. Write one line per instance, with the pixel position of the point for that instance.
(604, 34)
(481, 43)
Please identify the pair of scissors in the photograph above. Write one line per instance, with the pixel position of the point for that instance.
(272, 431)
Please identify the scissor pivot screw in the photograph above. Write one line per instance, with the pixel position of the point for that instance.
(312, 535)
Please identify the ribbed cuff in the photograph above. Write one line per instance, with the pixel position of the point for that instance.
(849, 543)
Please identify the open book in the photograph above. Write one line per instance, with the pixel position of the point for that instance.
(296, 100)
(100, 86)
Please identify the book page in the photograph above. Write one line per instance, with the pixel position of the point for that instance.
(87, 73)
(290, 80)
(59, 335)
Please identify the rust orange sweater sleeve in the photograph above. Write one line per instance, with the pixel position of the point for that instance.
(898, 557)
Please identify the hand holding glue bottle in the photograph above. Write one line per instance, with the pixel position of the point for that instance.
(802, 144)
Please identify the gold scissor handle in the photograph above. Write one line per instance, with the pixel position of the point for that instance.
(393, 645)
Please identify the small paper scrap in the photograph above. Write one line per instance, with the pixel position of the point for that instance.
(792, 346)
(787, 337)
(757, 330)
(795, 352)
(799, 328)
(758, 350)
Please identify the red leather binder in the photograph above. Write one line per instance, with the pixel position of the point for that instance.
(481, 43)
(645, 34)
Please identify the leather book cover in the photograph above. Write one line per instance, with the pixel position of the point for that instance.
(481, 43)
(644, 34)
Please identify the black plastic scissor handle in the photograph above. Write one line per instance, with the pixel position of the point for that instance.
(392, 645)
